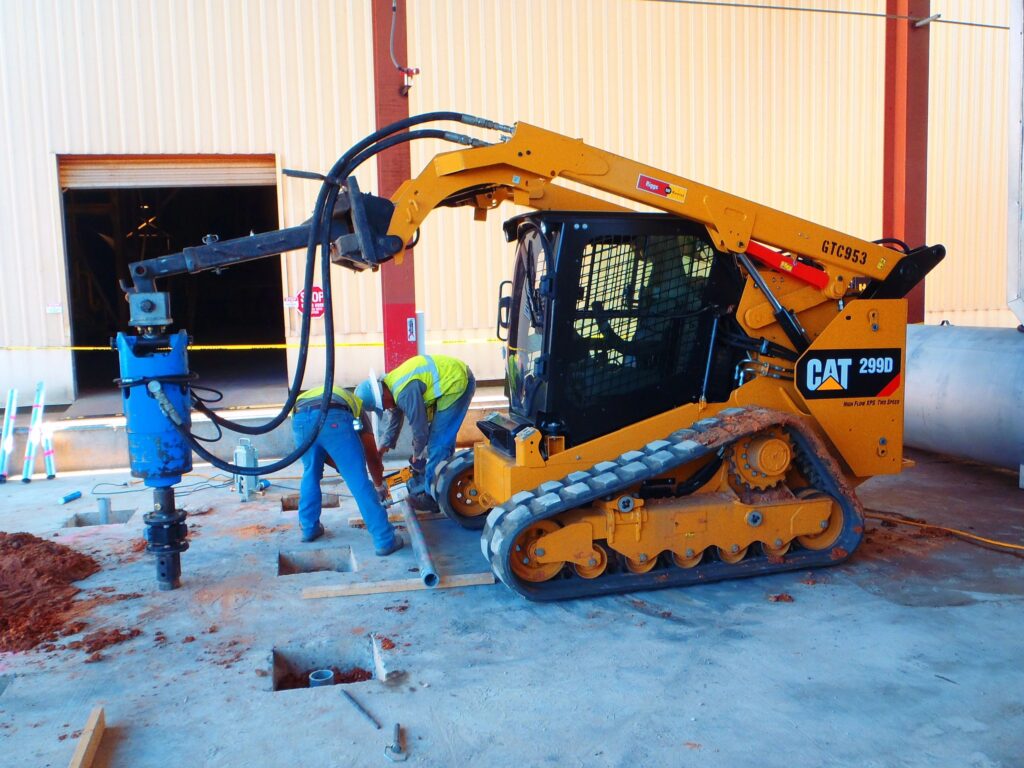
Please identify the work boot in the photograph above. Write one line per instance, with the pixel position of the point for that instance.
(385, 551)
(421, 502)
(315, 534)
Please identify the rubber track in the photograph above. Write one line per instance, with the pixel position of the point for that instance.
(608, 478)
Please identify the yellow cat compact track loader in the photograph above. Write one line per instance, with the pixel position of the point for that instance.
(695, 393)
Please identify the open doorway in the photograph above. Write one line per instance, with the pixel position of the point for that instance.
(107, 229)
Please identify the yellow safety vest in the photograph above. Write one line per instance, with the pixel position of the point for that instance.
(445, 378)
(341, 396)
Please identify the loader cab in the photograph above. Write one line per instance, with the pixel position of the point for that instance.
(610, 321)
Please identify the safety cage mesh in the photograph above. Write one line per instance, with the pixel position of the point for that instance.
(637, 313)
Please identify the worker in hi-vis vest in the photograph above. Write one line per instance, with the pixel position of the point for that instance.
(433, 393)
(346, 442)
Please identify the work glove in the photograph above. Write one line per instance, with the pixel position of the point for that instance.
(382, 491)
(419, 465)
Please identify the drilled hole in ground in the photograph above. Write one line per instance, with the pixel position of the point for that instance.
(290, 503)
(351, 663)
(113, 517)
(292, 561)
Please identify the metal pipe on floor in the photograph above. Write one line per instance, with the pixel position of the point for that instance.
(321, 677)
(419, 546)
(964, 393)
(103, 506)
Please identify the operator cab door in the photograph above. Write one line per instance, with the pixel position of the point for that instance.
(526, 361)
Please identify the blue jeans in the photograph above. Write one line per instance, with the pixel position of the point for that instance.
(443, 431)
(339, 440)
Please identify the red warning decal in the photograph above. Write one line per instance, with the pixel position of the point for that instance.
(891, 387)
(661, 188)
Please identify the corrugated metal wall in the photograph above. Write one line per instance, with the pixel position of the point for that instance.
(291, 78)
(782, 107)
(968, 144)
(779, 105)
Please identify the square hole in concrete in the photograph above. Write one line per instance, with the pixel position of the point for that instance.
(290, 503)
(292, 561)
(113, 517)
(351, 663)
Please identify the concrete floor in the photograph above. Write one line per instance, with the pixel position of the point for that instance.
(907, 655)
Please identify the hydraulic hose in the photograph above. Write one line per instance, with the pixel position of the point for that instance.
(200, 450)
(304, 329)
(320, 235)
(354, 164)
(342, 169)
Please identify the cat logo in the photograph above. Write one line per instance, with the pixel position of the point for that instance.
(848, 373)
(830, 374)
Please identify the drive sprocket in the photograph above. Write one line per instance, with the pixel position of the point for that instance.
(760, 461)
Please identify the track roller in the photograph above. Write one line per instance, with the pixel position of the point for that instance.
(595, 566)
(732, 555)
(833, 526)
(525, 560)
(689, 560)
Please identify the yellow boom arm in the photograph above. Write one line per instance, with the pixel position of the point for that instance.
(523, 169)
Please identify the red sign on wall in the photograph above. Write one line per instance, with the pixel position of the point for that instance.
(316, 308)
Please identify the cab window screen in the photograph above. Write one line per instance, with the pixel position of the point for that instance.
(637, 312)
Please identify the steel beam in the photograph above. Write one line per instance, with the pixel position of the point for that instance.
(905, 175)
(398, 281)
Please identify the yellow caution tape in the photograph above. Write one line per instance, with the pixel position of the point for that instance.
(231, 347)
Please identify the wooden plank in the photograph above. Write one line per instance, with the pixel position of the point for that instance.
(89, 741)
(355, 521)
(396, 585)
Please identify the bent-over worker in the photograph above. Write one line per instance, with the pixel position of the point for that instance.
(346, 440)
(433, 393)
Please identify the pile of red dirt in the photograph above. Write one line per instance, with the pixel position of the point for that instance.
(36, 592)
(354, 675)
(104, 638)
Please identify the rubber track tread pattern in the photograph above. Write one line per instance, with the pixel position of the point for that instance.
(506, 522)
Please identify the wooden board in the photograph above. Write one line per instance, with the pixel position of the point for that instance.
(89, 741)
(396, 585)
(355, 521)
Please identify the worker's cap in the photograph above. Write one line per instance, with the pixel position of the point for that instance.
(370, 393)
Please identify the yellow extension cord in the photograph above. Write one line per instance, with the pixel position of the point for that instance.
(873, 515)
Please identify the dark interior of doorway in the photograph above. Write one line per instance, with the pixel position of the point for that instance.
(107, 229)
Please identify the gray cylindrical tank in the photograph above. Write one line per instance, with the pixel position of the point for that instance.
(965, 392)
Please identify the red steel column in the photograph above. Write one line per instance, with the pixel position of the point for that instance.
(905, 176)
(393, 167)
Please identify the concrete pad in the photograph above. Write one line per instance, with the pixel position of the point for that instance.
(908, 654)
